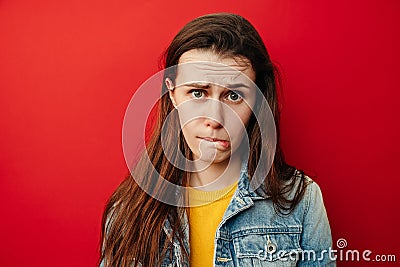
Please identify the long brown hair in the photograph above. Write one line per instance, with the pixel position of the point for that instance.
(132, 223)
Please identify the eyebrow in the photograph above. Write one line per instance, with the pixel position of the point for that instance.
(207, 85)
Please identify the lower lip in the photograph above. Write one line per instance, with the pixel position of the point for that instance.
(223, 144)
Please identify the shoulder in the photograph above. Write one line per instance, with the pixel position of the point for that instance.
(313, 193)
(298, 183)
(312, 208)
(302, 185)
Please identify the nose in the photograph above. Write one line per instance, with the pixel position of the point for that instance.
(214, 116)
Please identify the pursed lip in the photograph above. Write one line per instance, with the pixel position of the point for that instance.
(212, 139)
(222, 143)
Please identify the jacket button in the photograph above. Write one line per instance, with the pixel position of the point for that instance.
(271, 248)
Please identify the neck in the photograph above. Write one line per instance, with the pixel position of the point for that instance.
(217, 175)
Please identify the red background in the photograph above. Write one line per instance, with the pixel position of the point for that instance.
(69, 68)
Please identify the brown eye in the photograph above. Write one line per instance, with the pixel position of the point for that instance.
(234, 96)
(197, 93)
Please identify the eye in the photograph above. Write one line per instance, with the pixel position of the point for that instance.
(197, 93)
(235, 96)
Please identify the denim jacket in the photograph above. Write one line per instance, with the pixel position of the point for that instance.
(251, 233)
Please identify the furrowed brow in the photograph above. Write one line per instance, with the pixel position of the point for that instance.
(207, 85)
(237, 85)
(197, 85)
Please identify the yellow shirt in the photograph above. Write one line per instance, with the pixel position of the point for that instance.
(205, 214)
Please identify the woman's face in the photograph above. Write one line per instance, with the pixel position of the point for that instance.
(214, 102)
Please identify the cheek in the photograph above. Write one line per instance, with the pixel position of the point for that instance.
(237, 127)
(188, 131)
(241, 119)
(246, 116)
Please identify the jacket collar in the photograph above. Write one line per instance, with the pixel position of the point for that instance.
(245, 188)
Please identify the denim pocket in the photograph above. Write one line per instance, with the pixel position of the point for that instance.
(267, 246)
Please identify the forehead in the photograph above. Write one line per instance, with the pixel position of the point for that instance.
(206, 65)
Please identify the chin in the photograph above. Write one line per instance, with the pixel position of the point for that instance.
(214, 160)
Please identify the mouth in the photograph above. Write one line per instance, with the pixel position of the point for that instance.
(221, 142)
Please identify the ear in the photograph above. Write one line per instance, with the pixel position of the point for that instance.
(171, 88)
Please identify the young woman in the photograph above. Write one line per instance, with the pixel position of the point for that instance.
(219, 87)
